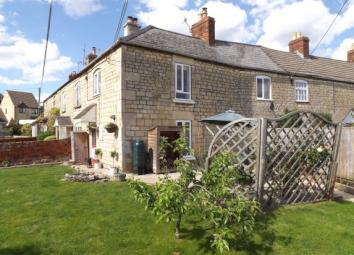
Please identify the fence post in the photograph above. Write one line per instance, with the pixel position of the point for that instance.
(334, 167)
(261, 155)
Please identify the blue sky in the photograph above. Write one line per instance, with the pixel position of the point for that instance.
(86, 23)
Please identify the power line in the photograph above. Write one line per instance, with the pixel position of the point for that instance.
(46, 49)
(122, 15)
(324, 35)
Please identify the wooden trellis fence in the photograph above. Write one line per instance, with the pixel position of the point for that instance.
(292, 159)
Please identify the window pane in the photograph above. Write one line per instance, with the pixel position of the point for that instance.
(182, 95)
(259, 88)
(186, 79)
(266, 88)
(179, 77)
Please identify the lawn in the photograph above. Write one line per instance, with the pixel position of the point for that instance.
(40, 214)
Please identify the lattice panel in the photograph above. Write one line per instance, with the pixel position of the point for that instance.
(242, 139)
(299, 150)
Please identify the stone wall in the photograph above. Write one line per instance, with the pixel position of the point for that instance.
(148, 92)
(108, 104)
(31, 152)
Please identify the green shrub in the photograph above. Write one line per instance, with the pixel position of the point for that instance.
(41, 136)
(14, 128)
(26, 130)
(6, 163)
(49, 138)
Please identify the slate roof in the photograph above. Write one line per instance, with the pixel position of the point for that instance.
(229, 53)
(246, 56)
(315, 66)
(242, 55)
(23, 99)
(2, 116)
(63, 121)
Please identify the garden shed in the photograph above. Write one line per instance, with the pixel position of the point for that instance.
(154, 137)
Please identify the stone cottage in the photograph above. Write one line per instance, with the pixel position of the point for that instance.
(18, 106)
(152, 77)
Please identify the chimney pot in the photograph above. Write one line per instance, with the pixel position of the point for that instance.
(300, 44)
(131, 26)
(350, 56)
(91, 56)
(205, 28)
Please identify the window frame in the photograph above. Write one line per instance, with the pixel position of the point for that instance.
(22, 109)
(307, 91)
(182, 80)
(97, 91)
(263, 77)
(77, 94)
(190, 129)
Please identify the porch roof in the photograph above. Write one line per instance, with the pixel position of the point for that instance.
(88, 114)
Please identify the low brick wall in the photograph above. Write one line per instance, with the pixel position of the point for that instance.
(34, 152)
(17, 139)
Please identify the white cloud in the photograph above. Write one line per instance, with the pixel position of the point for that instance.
(231, 20)
(24, 57)
(341, 51)
(80, 8)
(310, 17)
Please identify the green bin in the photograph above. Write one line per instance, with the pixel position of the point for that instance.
(139, 156)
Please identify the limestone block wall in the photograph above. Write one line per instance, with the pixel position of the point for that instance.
(108, 103)
(148, 92)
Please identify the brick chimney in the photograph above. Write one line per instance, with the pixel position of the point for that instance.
(351, 54)
(205, 28)
(91, 56)
(300, 44)
(131, 26)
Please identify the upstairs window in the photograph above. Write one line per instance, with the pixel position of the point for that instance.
(63, 102)
(183, 82)
(77, 90)
(264, 88)
(22, 110)
(97, 82)
(35, 111)
(301, 91)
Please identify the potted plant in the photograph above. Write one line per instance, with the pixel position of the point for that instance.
(92, 126)
(111, 127)
(121, 176)
(114, 170)
(98, 153)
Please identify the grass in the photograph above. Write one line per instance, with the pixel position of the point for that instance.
(40, 214)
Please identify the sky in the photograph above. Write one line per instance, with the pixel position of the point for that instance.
(82, 24)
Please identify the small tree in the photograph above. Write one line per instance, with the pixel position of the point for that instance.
(170, 199)
(217, 195)
(14, 128)
(114, 156)
(53, 114)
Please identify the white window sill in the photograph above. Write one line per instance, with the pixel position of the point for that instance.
(302, 101)
(266, 100)
(183, 101)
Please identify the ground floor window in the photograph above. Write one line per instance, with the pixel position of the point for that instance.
(187, 129)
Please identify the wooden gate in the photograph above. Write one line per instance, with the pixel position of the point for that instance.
(80, 147)
(293, 159)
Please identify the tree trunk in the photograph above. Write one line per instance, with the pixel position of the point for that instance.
(178, 225)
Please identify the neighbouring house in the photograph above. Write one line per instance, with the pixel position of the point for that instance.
(20, 107)
(152, 78)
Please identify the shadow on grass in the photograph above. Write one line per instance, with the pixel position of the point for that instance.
(24, 250)
(260, 242)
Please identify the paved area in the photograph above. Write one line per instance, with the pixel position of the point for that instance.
(343, 196)
(151, 178)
